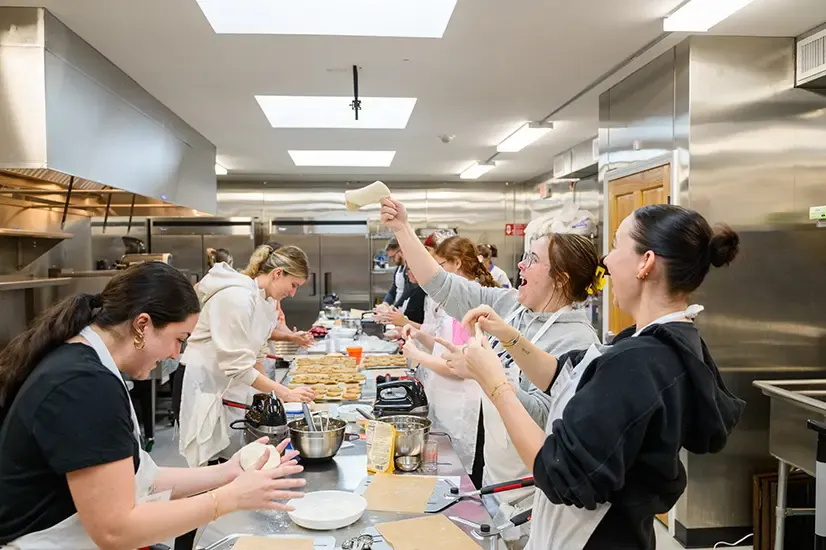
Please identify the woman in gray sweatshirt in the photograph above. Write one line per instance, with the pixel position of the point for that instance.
(556, 274)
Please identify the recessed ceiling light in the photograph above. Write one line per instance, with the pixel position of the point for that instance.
(477, 170)
(335, 112)
(220, 170)
(701, 15)
(524, 136)
(374, 159)
(386, 18)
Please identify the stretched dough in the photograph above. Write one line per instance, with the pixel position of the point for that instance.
(372, 194)
(253, 452)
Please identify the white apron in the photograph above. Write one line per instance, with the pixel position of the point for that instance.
(502, 461)
(205, 420)
(70, 533)
(560, 527)
(456, 403)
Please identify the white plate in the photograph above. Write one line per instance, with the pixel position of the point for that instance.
(327, 510)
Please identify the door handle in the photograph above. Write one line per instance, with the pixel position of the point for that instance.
(328, 283)
(313, 292)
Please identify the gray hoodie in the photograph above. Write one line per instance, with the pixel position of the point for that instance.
(571, 331)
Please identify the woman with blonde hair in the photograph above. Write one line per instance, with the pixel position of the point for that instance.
(225, 352)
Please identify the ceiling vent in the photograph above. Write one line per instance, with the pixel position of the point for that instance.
(811, 60)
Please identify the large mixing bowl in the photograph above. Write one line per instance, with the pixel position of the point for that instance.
(320, 445)
(411, 433)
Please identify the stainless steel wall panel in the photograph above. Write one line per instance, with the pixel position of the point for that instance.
(478, 210)
(75, 112)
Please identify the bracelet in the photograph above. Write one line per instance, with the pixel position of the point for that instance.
(216, 513)
(512, 343)
(498, 389)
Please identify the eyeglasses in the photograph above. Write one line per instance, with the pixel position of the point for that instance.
(529, 258)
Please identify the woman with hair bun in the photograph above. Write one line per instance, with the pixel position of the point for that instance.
(608, 460)
(224, 359)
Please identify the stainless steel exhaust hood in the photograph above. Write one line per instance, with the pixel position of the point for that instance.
(66, 108)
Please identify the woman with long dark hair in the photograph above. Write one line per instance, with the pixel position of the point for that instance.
(608, 460)
(72, 472)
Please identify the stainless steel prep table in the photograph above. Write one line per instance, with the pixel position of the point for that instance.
(345, 472)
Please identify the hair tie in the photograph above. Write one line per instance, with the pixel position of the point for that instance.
(96, 301)
(599, 281)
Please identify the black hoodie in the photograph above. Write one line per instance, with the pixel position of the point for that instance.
(620, 435)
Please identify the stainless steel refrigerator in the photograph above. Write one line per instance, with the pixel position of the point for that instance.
(340, 262)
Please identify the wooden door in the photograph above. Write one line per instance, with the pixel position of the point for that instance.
(626, 195)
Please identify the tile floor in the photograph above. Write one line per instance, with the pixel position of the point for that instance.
(165, 453)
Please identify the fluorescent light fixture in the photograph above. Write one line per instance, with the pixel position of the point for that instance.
(372, 159)
(524, 136)
(477, 170)
(390, 113)
(384, 18)
(701, 15)
(220, 170)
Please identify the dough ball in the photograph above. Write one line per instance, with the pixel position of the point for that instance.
(253, 452)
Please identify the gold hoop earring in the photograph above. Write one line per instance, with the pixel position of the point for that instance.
(139, 341)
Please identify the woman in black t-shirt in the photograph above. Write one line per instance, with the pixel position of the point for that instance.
(72, 474)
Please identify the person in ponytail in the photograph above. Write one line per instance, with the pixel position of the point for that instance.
(72, 472)
(227, 350)
(487, 253)
(627, 409)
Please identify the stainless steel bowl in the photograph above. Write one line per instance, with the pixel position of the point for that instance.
(318, 445)
(411, 433)
(408, 463)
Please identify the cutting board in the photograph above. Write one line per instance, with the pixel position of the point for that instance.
(265, 543)
(395, 493)
(426, 533)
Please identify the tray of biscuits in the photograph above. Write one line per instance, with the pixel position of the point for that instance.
(383, 361)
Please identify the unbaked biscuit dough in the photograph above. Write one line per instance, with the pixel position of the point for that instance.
(253, 452)
(372, 194)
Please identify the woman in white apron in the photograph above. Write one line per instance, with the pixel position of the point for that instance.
(224, 358)
(456, 401)
(69, 438)
(555, 276)
(608, 461)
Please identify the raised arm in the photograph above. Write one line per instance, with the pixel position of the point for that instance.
(419, 260)
(457, 294)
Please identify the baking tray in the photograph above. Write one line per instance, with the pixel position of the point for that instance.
(319, 542)
(437, 499)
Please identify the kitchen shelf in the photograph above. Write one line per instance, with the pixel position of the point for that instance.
(24, 284)
(27, 234)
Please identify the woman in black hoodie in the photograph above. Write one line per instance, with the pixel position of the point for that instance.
(608, 461)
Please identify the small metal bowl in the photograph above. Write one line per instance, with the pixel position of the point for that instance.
(408, 463)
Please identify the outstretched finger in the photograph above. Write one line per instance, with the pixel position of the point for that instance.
(450, 346)
(263, 460)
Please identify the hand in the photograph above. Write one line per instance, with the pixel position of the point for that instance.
(259, 489)
(298, 395)
(409, 332)
(487, 319)
(476, 360)
(396, 317)
(412, 352)
(302, 339)
(393, 214)
(233, 465)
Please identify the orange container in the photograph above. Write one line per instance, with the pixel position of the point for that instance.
(355, 353)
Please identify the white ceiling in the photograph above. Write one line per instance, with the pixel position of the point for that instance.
(499, 64)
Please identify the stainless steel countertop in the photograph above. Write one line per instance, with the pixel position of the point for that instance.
(344, 473)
